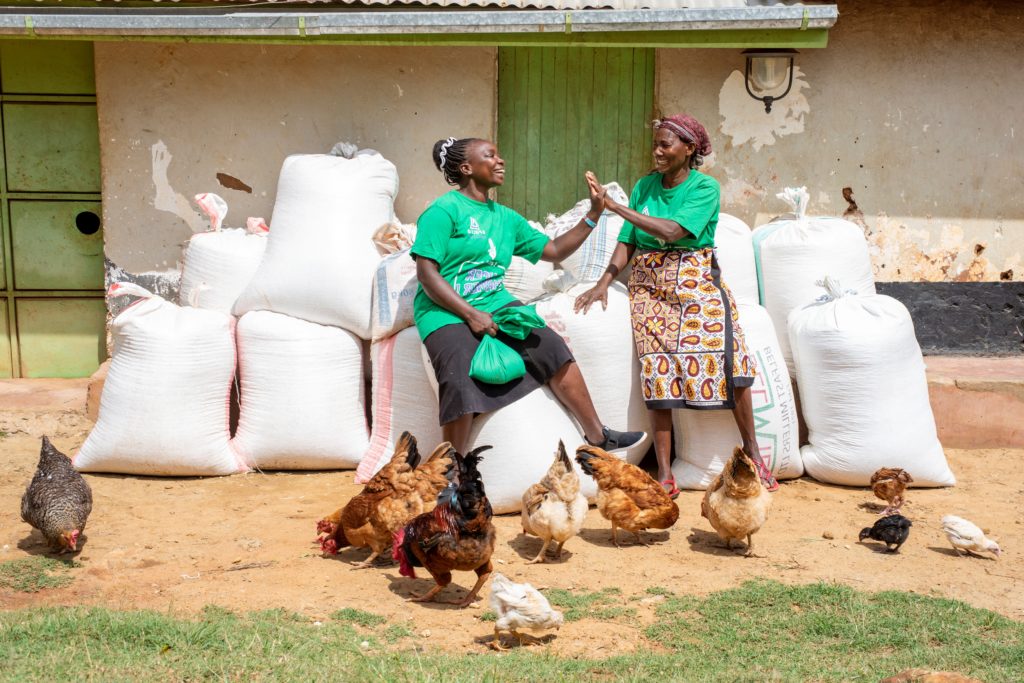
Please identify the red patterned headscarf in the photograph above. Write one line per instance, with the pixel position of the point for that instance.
(689, 130)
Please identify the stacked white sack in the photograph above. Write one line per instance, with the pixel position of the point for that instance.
(219, 264)
(864, 392)
(394, 290)
(403, 400)
(303, 405)
(588, 263)
(524, 436)
(525, 280)
(602, 343)
(705, 439)
(164, 407)
(793, 254)
(321, 260)
(734, 246)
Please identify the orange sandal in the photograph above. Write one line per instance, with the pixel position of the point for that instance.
(670, 488)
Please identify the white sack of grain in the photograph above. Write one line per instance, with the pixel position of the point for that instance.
(602, 343)
(734, 247)
(863, 390)
(704, 439)
(588, 263)
(303, 403)
(524, 436)
(219, 264)
(321, 260)
(794, 254)
(164, 407)
(403, 400)
(394, 290)
(525, 280)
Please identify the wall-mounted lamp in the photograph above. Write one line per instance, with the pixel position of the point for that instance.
(766, 70)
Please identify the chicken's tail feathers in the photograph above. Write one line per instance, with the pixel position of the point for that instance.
(589, 458)
(562, 456)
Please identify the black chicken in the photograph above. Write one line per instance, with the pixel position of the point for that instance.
(457, 534)
(892, 530)
(58, 500)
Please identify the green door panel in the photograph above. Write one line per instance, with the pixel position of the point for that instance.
(6, 367)
(51, 147)
(61, 337)
(47, 67)
(50, 249)
(564, 111)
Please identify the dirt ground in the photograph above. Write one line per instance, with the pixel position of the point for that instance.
(245, 542)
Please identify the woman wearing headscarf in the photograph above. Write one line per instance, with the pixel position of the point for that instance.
(464, 243)
(685, 323)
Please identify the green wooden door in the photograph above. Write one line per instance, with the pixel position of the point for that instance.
(565, 110)
(51, 284)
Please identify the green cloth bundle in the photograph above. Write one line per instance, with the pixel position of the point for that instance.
(495, 362)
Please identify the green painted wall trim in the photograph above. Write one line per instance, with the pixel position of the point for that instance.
(732, 39)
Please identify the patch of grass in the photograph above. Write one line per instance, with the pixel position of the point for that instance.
(395, 632)
(759, 631)
(358, 616)
(600, 604)
(33, 574)
(489, 615)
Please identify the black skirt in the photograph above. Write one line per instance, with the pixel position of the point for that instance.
(451, 350)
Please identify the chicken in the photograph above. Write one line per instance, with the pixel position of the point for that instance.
(627, 496)
(553, 509)
(892, 530)
(736, 503)
(966, 536)
(401, 490)
(889, 484)
(458, 534)
(57, 501)
(520, 606)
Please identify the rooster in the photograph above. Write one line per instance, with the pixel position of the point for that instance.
(889, 484)
(553, 509)
(627, 496)
(401, 490)
(458, 534)
(57, 501)
(736, 503)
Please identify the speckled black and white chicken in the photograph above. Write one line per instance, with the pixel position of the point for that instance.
(57, 501)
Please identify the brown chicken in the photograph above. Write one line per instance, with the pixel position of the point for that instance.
(736, 503)
(457, 534)
(627, 496)
(402, 489)
(58, 500)
(889, 484)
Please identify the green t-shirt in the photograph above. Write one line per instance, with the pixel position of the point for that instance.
(693, 205)
(473, 243)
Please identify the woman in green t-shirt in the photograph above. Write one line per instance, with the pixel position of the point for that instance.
(685, 323)
(464, 243)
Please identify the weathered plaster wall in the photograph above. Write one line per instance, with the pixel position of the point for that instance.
(913, 106)
(173, 117)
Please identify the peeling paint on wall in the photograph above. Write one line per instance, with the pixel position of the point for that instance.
(744, 119)
(166, 199)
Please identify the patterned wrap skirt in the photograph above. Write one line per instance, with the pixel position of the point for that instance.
(686, 330)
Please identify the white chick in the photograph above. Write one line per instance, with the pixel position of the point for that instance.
(554, 508)
(966, 536)
(520, 606)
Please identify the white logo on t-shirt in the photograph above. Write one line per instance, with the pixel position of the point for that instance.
(474, 227)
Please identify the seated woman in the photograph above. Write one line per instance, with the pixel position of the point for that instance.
(685, 323)
(464, 243)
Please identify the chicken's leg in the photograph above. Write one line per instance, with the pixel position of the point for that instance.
(476, 589)
(428, 596)
(368, 562)
(540, 556)
(558, 551)
(615, 538)
(750, 546)
(496, 643)
(640, 540)
(526, 639)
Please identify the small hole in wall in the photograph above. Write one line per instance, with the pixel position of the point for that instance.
(87, 223)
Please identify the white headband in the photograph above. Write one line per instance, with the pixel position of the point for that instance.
(444, 151)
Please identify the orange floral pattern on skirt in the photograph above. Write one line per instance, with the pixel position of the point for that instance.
(686, 331)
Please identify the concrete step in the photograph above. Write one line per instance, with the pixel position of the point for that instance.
(977, 402)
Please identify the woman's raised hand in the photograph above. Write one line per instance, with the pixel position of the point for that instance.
(587, 299)
(481, 323)
(598, 194)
